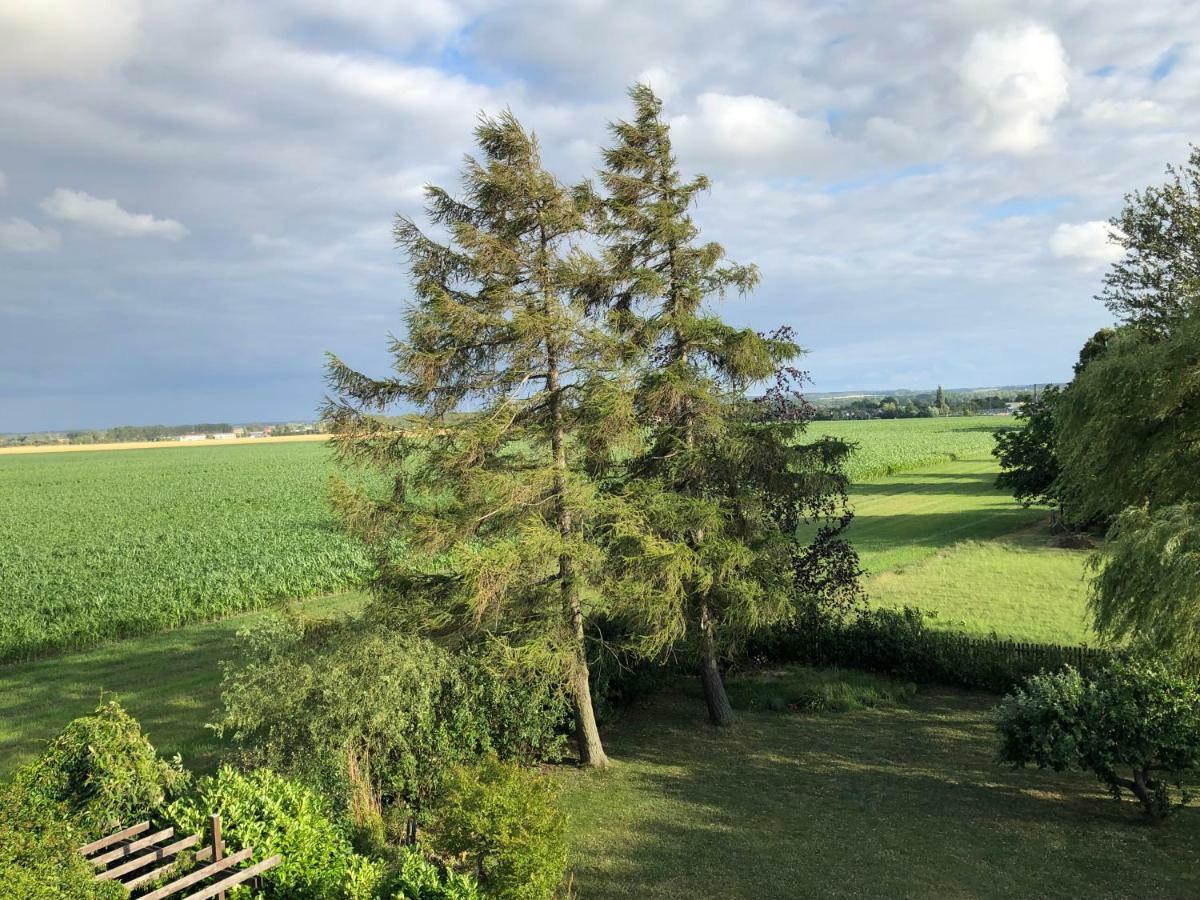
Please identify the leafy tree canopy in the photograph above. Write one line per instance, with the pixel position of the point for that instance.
(1157, 283)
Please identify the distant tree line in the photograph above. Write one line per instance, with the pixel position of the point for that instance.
(919, 406)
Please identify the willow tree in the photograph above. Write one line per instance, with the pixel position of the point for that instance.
(703, 531)
(483, 530)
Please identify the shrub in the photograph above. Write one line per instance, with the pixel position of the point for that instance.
(903, 645)
(502, 823)
(38, 860)
(815, 690)
(105, 772)
(418, 879)
(376, 718)
(273, 815)
(1134, 717)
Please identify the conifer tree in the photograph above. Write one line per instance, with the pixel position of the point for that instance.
(484, 530)
(703, 546)
(939, 400)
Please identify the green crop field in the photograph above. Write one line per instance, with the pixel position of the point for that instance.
(95, 546)
(887, 446)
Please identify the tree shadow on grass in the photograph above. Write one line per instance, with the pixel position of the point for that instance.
(895, 802)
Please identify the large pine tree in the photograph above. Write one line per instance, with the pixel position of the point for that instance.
(486, 527)
(703, 540)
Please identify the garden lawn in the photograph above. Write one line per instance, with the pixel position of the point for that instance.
(170, 682)
(890, 802)
(1015, 587)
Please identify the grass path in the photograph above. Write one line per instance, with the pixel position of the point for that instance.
(906, 802)
(170, 682)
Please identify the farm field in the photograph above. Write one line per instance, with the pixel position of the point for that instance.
(101, 545)
(888, 446)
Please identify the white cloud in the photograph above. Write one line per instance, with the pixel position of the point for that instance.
(661, 80)
(1088, 242)
(3, 181)
(65, 38)
(747, 129)
(1129, 113)
(22, 236)
(108, 216)
(1019, 80)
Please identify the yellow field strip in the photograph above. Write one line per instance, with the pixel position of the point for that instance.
(156, 445)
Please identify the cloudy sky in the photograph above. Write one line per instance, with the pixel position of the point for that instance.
(196, 196)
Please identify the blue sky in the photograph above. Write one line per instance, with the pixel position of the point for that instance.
(196, 197)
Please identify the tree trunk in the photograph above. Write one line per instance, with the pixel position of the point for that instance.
(720, 713)
(1141, 786)
(591, 750)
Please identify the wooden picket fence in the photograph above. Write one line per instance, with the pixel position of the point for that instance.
(139, 859)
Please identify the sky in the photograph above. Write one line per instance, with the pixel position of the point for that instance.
(196, 197)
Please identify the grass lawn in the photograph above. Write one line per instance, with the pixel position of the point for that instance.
(888, 802)
(170, 682)
(944, 539)
(900, 519)
(1014, 586)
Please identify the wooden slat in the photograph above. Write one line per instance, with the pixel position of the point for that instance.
(88, 849)
(147, 858)
(199, 875)
(129, 849)
(245, 875)
(154, 874)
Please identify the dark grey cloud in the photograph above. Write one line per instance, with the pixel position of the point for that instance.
(196, 198)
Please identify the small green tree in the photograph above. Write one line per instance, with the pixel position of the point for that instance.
(703, 518)
(502, 825)
(939, 401)
(1028, 463)
(485, 530)
(1136, 726)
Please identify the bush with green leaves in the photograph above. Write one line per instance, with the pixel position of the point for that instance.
(38, 856)
(1135, 725)
(416, 878)
(376, 718)
(105, 772)
(273, 814)
(904, 644)
(502, 823)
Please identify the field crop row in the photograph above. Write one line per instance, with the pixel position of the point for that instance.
(888, 446)
(95, 546)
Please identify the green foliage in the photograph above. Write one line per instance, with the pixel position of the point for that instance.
(1026, 454)
(902, 644)
(1127, 426)
(273, 815)
(104, 771)
(502, 823)
(377, 718)
(38, 856)
(804, 689)
(418, 879)
(1135, 718)
(96, 546)
(1147, 587)
(1157, 283)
